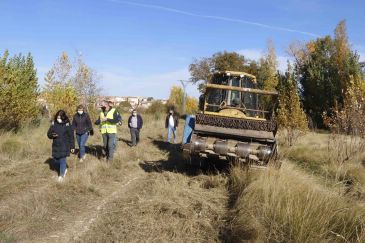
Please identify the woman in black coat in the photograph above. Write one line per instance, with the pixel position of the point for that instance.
(63, 143)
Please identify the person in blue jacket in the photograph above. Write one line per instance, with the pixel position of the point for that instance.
(135, 124)
(63, 142)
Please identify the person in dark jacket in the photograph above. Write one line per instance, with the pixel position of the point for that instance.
(81, 123)
(135, 124)
(171, 123)
(63, 143)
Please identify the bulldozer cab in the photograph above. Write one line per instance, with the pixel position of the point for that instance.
(235, 94)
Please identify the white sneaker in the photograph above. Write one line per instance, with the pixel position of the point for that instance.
(60, 179)
(65, 173)
(84, 157)
(81, 160)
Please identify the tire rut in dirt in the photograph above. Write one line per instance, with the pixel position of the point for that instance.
(81, 223)
(164, 207)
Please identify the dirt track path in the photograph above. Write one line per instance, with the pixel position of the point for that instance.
(79, 224)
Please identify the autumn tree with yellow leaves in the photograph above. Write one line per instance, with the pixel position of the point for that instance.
(267, 74)
(176, 101)
(325, 69)
(68, 85)
(290, 114)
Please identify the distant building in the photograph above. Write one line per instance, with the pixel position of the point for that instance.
(163, 101)
(134, 101)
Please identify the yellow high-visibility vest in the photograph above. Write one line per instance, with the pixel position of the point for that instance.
(107, 127)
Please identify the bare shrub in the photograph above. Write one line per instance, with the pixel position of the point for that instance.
(349, 120)
(342, 149)
(157, 109)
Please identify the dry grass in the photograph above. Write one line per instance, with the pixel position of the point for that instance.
(35, 208)
(166, 207)
(290, 206)
(312, 198)
(149, 194)
(337, 160)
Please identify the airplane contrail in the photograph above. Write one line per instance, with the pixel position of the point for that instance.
(241, 21)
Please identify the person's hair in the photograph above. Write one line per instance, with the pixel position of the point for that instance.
(63, 116)
(80, 107)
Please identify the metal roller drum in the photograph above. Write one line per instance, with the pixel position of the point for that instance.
(221, 147)
(243, 150)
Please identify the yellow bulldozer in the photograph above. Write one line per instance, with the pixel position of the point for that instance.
(236, 122)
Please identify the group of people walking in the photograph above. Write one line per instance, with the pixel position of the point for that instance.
(63, 132)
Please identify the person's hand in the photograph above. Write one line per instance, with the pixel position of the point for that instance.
(91, 132)
(103, 119)
(72, 150)
(54, 135)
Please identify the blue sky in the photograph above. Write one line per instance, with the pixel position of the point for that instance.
(142, 48)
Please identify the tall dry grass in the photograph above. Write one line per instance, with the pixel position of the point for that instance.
(164, 207)
(288, 205)
(338, 160)
(317, 195)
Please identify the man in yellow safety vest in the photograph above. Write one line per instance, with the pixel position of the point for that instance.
(108, 120)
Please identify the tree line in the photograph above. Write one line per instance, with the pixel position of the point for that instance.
(323, 85)
(67, 84)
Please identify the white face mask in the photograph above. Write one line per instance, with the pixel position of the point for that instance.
(59, 120)
(134, 114)
(80, 112)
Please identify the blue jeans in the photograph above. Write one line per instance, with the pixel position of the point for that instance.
(81, 141)
(169, 131)
(62, 163)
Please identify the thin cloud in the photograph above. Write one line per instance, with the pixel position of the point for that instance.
(240, 21)
(145, 85)
(256, 54)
